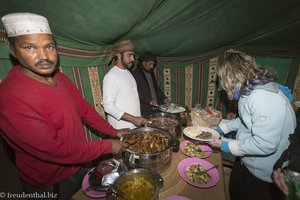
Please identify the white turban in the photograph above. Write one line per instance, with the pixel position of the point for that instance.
(17, 24)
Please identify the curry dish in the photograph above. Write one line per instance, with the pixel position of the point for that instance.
(147, 142)
(139, 188)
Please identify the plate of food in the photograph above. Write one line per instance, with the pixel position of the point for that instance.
(176, 197)
(201, 133)
(187, 170)
(297, 103)
(195, 150)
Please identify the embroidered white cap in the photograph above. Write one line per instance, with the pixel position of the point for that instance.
(17, 24)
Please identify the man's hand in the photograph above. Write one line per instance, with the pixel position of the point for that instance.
(167, 100)
(278, 178)
(117, 146)
(122, 132)
(138, 121)
(153, 102)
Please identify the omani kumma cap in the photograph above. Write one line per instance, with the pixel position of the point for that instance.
(17, 24)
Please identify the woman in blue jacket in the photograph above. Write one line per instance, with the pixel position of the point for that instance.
(265, 120)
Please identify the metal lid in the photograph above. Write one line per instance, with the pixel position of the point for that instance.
(172, 108)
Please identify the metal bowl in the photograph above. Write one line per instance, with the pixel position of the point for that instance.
(106, 173)
(174, 129)
(138, 184)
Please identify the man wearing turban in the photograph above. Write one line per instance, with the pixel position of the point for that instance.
(41, 114)
(120, 95)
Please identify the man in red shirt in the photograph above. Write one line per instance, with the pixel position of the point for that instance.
(41, 113)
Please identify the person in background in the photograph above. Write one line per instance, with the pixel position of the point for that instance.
(265, 120)
(120, 95)
(41, 114)
(149, 93)
(289, 159)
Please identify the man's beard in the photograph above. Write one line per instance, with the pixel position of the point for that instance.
(127, 65)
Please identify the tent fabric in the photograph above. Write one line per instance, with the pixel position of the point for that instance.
(186, 35)
(171, 28)
(180, 32)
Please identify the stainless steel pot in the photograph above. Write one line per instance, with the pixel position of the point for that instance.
(155, 162)
(174, 129)
(177, 109)
(128, 185)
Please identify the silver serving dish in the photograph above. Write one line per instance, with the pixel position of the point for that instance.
(155, 162)
(173, 108)
(106, 173)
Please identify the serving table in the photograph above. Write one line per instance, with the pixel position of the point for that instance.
(174, 185)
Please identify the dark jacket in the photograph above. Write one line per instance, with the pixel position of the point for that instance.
(144, 91)
(292, 153)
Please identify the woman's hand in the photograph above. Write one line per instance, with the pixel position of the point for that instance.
(215, 143)
(278, 178)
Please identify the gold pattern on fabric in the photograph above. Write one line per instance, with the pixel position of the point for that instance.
(167, 82)
(189, 85)
(212, 81)
(3, 38)
(96, 90)
(78, 82)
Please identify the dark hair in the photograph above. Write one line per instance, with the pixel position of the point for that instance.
(147, 56)
(11, 43)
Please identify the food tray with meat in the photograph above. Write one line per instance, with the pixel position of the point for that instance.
(201, 133)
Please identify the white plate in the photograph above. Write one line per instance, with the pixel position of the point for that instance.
(193, 131)
(224, 121)
(297, 103)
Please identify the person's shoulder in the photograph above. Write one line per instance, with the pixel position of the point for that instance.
(12, 78)
(136, 71)
(61, 75)
(112, 70)
(112, 74)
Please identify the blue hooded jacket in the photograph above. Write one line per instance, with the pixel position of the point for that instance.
(266, 118)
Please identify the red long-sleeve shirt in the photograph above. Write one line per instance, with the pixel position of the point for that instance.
(43, 124)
